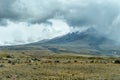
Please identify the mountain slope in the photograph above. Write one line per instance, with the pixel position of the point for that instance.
(88, 41)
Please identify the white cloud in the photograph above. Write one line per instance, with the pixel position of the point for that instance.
(22, 33)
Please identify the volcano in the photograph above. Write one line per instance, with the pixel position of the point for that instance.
(88, 41)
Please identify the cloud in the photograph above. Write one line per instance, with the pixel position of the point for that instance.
(22, 33)
(33, 17)
(75, 12)
(32, 11)
(6, 9)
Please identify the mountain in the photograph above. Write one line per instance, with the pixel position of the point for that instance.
(88, 41)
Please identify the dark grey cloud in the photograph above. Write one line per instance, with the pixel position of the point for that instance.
(6, 9)
(75, 12)
(93, 14)
(34, 11)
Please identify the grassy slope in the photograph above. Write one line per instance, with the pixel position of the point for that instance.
(57, 67)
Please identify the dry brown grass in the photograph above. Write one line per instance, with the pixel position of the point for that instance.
(60, 67)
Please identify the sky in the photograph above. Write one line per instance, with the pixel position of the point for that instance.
(28, 21)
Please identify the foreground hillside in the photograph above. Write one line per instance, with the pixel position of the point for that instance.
(24, 66)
